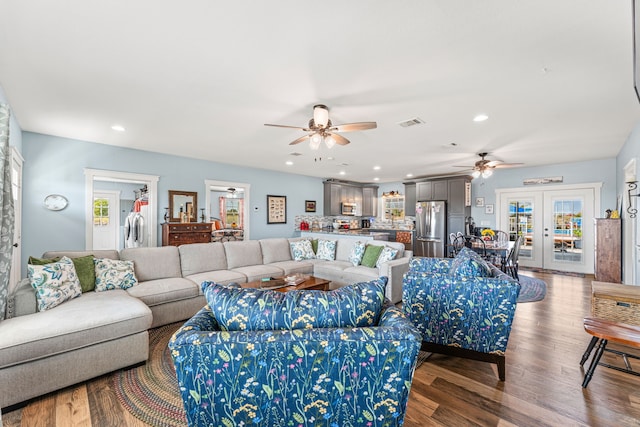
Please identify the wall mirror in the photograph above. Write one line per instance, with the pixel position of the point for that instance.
(183, 201)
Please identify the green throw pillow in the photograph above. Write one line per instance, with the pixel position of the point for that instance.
(371, 254)
(314, 245)
(85, 269)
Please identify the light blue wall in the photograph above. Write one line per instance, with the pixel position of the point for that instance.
(56, 165)
(573, 173)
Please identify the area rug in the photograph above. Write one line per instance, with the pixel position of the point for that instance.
(150, 392)
(531, 289)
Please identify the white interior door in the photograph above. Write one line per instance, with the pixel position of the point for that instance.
(16, 182)
(106, 219)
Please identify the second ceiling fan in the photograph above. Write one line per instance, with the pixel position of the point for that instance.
(320, 129)
(484, 167)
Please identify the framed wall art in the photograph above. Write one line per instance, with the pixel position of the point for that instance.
(488, 209)
(276, 209)
(479, 202)
(309, 205)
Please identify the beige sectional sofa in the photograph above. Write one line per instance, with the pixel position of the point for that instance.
(100, 332)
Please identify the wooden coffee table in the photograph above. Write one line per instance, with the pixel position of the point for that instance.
(312, 283)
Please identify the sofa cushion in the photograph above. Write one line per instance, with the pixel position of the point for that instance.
(90, 319)
(154, 263)
(114, 274)
(357, 251)
(469, 264)
(257, 272)
(275, 250)
(54, 283)
(302, 250)
(241, 254)
(223, 277)
(84, 269)
(326, 250)
(293, 267)
(201, 257)
(386, 255)
(155, 292)
(371, 254)
(355, 305)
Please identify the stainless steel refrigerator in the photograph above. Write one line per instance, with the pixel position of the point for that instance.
(431, 229)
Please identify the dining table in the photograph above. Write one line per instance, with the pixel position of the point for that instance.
(493, 249)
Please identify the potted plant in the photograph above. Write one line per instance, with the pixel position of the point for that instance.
(577, 243)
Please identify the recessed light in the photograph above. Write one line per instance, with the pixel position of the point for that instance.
(118, 128)
(480, 118)
(330, 158)
(343, 173)
(288, 163)
(409, 175)
(376, 168)
(376, 179)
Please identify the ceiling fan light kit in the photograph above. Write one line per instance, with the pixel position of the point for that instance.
(321, 129)
(484, 168)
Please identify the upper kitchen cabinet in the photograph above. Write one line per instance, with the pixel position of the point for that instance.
(332, 198)
(369, 201)
(432, 190)
(459, 196)
(410, 199)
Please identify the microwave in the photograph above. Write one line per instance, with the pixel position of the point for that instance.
(348, 208)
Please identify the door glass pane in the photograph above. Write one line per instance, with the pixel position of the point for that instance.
(567, 230)
(101, 212)
(521, 224)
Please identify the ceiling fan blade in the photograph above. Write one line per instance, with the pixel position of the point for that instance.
(468, 167)
(507, 165)
(350, 127)
(299, 140)
(285, 126)
(340, 140)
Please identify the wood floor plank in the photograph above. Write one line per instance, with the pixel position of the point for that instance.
(72, 407)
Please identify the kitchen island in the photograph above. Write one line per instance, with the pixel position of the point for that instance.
(358, 234)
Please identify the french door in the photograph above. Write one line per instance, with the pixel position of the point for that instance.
(556, 225)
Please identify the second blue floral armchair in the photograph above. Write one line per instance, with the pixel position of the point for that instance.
(461, 306)
(267, 372)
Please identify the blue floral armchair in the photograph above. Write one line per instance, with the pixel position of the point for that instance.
(461, 307)
(268, 373)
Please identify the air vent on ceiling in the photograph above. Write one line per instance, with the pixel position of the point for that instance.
(411, 122)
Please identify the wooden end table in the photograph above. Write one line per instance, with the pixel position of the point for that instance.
(312, 283)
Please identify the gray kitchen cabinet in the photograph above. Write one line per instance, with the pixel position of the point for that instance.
(410, 199)
(370, 201)
(440, 190)
(457, 197)
(424, 191)
(332, 198)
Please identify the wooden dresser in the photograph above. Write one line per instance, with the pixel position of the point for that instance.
(177, 233)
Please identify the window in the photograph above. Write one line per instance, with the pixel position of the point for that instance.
(100, 212)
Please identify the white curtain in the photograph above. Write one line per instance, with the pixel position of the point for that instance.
(6, 209)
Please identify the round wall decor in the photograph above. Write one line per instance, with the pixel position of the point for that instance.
(55, 202)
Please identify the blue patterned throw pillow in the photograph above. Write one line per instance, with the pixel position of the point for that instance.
(356, 254)
(54, 283)
(114, 274)
(237, 309)
(387, 254)
(469, 264)
(301, 250)
(326, 250)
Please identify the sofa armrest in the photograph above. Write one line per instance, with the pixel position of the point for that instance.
(475, 313)
(22, 300)
(394, 270)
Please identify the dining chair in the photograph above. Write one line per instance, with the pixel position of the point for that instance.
(501, 236)
(510, 265)
(455, 244)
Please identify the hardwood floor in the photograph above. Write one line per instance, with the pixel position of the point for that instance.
(543, 385)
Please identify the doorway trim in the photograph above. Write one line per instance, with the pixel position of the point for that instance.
(92, 175)
(208, 183)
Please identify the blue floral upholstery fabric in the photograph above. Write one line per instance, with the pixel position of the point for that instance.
(296, 377)
(474, 313)
(468, 263)
(238, 309)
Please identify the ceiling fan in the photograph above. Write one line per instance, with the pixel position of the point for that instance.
(321, 129)
(484, 167)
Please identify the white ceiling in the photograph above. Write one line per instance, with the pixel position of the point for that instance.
(200, 78)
